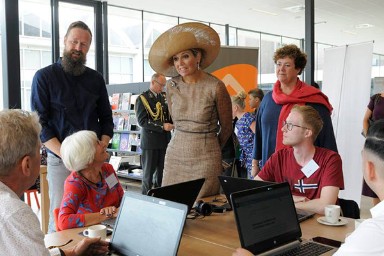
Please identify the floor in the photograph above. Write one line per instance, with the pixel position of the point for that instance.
(366, 202)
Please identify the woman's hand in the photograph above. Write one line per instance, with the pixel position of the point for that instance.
(110, 211)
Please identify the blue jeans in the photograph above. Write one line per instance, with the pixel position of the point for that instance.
(57, 173)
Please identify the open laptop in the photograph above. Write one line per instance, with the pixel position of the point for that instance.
(184, 192)
(231, 185)
(147, 226)
(267, 224)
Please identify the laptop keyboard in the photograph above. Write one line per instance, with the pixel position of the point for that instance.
(307, 249)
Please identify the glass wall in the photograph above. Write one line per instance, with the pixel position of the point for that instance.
(125, 45)
(378, 66)
(232, 36)
(220, 29)
(131, 33)
(319, 62)
(69, 13)
(154, 25)
(35, 43)
(268, 46)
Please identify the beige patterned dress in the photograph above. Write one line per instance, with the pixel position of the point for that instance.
(199, 111)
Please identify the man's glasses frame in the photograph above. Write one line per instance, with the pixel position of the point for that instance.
(162, 85)
(291, 125)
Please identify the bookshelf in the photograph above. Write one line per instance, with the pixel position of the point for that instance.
(125, 148)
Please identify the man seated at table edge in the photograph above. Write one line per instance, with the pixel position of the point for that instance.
(19, 168)
(314, 174)
(368, 238)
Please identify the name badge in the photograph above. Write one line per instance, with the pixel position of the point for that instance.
(310, 168)
(111, 181)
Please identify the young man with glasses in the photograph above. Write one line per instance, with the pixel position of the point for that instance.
(314, 174)
(154, 119)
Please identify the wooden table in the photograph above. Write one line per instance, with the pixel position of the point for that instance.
(217, 234)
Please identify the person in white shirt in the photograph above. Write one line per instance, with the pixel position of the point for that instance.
(19, 168)
(368, 238)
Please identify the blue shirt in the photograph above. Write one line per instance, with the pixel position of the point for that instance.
(67, 103)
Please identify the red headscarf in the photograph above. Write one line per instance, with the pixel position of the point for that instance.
(302, 94)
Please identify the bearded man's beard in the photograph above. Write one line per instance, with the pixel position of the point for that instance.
(72, 66)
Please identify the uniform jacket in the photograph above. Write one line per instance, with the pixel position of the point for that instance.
(152, 134)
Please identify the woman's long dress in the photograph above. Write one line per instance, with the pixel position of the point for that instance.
(194, 151)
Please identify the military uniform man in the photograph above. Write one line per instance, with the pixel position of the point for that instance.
(153, 117)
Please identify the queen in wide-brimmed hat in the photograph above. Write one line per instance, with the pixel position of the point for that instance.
(186, 36)
(198, 102)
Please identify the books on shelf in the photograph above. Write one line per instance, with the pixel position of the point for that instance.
(124, 142)
(129, 142)
(134, 142)
(124, 121)
(115, 101)
(121, 101)
(116, 141)
(126, 101)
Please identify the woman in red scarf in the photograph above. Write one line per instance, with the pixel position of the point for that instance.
(288, 90)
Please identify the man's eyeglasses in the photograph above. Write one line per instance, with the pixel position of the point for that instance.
(290, 126)
(162, 85)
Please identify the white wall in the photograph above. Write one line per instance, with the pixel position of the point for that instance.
(347, 83)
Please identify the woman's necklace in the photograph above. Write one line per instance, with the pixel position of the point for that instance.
(98, 184)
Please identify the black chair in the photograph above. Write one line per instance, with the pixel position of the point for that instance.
(349, 208)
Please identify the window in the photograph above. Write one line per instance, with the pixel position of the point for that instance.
(69, 13)
(319, 60)
(35, 43)
(220, 29)
(125, 45)
(269, 44)
(232, 36)
(35, 18)
(248, 38)
(120, 69)
(154, 26)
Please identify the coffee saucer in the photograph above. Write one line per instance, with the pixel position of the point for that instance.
(342, 221)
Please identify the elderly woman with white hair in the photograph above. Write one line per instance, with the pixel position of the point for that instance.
(92, 192)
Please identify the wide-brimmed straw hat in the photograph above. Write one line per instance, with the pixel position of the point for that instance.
(180, 38)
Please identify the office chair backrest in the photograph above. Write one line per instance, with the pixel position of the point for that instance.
(349, 208)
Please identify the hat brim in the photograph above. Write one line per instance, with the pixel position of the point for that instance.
(180, 38)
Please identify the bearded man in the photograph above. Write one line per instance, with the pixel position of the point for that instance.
(68, 96)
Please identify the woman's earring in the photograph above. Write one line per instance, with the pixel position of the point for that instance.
(198, 65)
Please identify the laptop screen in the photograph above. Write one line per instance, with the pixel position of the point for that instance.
(266, 217)
(231, 185)
(184, 192)
(148, 226)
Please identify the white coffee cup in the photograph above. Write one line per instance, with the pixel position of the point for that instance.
(96, 231)
(332, 213)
